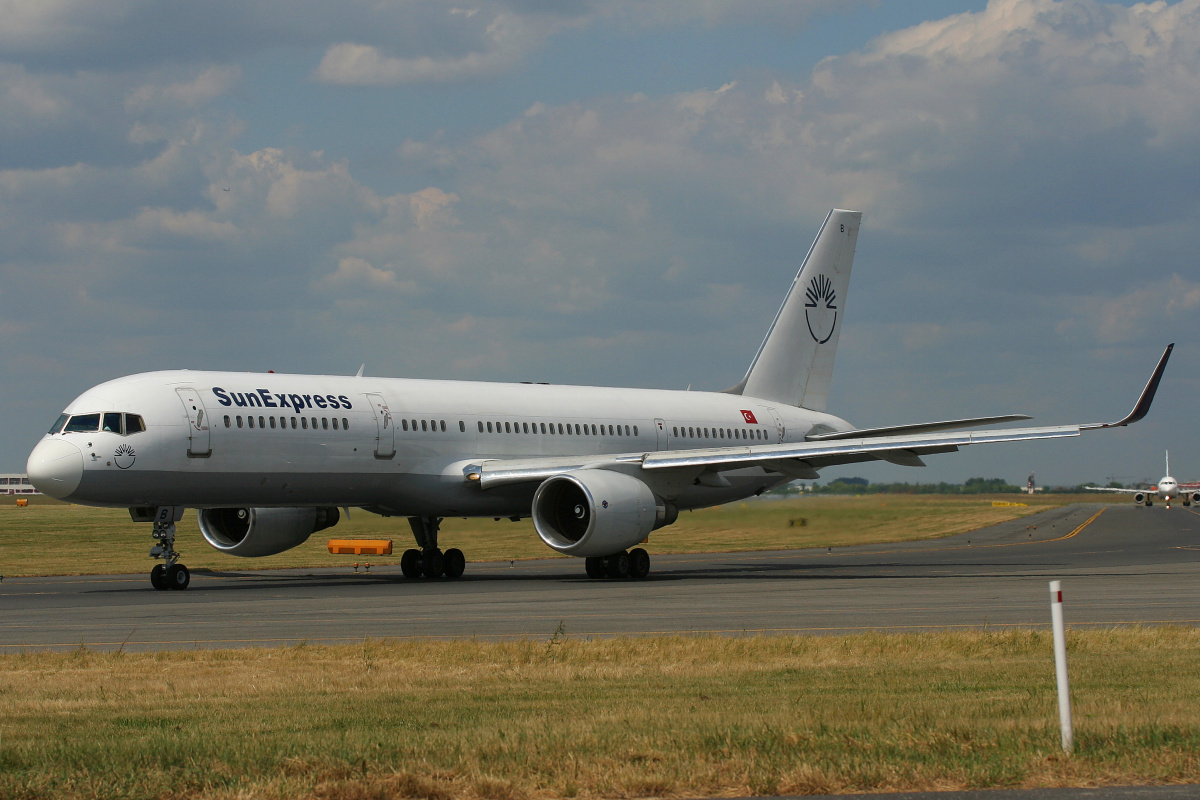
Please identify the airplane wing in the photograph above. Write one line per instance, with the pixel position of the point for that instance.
(1120, 491)
(803, 459)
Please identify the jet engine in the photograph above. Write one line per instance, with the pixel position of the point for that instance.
(1139, 498)
(594, 512)
(1195, 497)
(254, 532)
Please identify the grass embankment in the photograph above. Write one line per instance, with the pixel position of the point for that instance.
(58, 539)
(633, 717)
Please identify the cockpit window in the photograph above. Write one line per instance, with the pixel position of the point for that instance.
(134, 424)
(83, 423)
(111, 423)
(58, 426)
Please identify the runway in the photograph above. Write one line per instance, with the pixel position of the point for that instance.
(1119, 565)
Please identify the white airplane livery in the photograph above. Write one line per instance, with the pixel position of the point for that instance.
(1166, 489)
(269, 459)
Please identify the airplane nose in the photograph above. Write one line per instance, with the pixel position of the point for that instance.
(55, 468)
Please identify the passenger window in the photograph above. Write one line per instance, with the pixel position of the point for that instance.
(314, 423)
(111, 423)
(480, 424)
(272, 422)
(83, 423)
(335, 423)
(507, 428)
(228, 423)
(462, 426)
(626, 430)
(304, 423)
(568, 429)
(249, 422)
(424, 425)
(345, 424)
(489, 427)
(293, 423)
(239, 420)
(525, 426)
(59, 423)
(324, 423)
(610, 430)
(442, 425)
(674, 431)
(404, 424)
(561, 432)
(635, 433)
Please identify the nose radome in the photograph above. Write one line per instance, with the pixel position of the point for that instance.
(55, 468)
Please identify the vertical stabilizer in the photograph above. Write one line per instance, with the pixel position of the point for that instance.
(1168, 453)
(794, 365)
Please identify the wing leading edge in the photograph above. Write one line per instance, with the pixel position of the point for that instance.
(803, 459)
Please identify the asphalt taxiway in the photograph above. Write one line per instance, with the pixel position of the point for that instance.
(1119, 565)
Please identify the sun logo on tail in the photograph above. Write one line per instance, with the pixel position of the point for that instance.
(819, 301)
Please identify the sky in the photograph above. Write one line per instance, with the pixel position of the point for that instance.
(618, 193)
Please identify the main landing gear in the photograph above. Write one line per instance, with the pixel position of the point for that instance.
(170, 574)
(634, 564)
(429, 560)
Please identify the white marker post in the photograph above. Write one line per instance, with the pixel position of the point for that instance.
(1060, 667)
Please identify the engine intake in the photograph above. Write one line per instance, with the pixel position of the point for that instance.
(255, 532)
(1139, 498)
(594, 512)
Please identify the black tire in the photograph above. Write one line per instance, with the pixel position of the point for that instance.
(617, 565)
(639, 563)
(433, 563)
(158, 577)
(178, 577)
(595, 567)
(410, 564)
(455, 563)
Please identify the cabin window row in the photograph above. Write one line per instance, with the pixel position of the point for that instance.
(428, 425)
(719, 433)
(301, 423)
(559, 428)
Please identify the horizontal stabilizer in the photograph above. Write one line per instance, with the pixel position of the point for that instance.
(918, 427)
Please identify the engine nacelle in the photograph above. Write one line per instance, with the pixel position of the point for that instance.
(254, 532)
(1139, 498)
(1196, 497)
(594, 512)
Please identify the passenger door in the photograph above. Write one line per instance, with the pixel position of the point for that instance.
(199, 442)
(385, 427)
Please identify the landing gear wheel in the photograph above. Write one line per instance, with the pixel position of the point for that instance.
(410, 563)
(595, 567)
(158, 577)
(455, 563)
(433, 563)
(178, 576)
(639, 563)
(617, 565)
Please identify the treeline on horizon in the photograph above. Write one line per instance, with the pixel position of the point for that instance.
(969, 486)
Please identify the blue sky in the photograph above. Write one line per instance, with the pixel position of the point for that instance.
(613, 193)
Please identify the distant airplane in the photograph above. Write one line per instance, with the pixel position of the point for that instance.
(268, 459)
(1167, 488)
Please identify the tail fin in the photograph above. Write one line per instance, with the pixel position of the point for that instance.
(794, 365)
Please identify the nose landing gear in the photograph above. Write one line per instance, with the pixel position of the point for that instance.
(170, 574)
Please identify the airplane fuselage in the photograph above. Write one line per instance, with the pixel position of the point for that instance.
(397, 446)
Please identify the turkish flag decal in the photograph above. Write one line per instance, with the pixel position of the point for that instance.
(749, 417)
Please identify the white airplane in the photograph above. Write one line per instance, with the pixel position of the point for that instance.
(1167, 488)
(268, 459)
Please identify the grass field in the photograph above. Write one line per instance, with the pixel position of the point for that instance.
(567, 718)
(49, 538)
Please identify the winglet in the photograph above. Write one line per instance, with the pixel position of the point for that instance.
(360, 371)
(1142, 407)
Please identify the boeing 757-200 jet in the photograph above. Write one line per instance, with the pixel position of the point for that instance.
(268, 459)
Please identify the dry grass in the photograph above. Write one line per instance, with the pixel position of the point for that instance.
(58, 539)
(673, 716)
